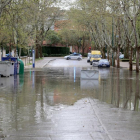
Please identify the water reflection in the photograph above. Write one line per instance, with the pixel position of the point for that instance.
(38, 93)
(137, 95)
(89, 79)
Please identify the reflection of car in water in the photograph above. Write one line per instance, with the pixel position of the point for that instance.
(95, 56)
(88, 57)
(73, 56)
(103, 63)
(104, 73)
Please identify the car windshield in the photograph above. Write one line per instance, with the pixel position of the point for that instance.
(96, 56)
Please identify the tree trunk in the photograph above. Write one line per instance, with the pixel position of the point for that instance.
(118, 60)
(108, 55)
(103, 52)
(83, 46)
(130, 60)
(113, 59)
(36, 54)
(110, 61)
(19, 52)
(83, 49)
(40, 51)
(126, 53)
(137, 59)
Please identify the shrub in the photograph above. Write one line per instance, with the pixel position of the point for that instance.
(55, 50)
(124, 60)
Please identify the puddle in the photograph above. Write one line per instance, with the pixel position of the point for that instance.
(34, 96)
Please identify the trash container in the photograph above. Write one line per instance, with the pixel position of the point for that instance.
(6, 58)
(18, 67)
(5, 68)
(12, 68)
(21, 68)
(14, 60)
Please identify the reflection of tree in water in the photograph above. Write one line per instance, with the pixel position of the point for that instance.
(128, 87)
(129, 91)
(137, 96)
(118, 86)
(123, 89)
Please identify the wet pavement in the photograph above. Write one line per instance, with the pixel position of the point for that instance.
(59, 104)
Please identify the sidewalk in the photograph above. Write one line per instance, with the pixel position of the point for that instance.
(126, 65)
(41, 63)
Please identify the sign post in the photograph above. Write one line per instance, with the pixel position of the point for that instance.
(33, 55)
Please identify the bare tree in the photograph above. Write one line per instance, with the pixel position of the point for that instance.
(132, 9)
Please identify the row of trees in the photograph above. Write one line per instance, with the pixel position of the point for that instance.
(27, 23)
(106, 24)
(111, 25)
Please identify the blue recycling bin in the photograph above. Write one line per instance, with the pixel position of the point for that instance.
(12, 59)
(6, 58)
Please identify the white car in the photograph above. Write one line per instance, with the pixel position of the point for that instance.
(74, 56)
(103, 63)
(121, 56)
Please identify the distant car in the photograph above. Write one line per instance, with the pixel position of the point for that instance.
(77, 56)
(103, 63)
(8, 55)
(88, 57)
(121, 56)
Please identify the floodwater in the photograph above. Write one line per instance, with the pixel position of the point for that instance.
(30, 99)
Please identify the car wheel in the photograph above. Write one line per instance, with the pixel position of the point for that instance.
(68, 58)
(79, 59)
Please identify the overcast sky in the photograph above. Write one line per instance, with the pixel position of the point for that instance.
(66, 4)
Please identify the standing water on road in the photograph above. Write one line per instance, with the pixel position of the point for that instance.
(32, 98)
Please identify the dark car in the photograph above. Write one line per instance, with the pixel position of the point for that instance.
(103, 63)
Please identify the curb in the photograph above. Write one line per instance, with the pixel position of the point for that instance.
(48, 62)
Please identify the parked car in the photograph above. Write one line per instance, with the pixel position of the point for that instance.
(121, 56)
(88, 57)
(77, 56)
(103, 63)
(8, 55)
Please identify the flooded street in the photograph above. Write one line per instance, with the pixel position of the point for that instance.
(57, 104)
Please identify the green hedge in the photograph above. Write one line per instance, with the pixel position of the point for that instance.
(53, 55)
(24, 52)
(55, 51)
(124, 60)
